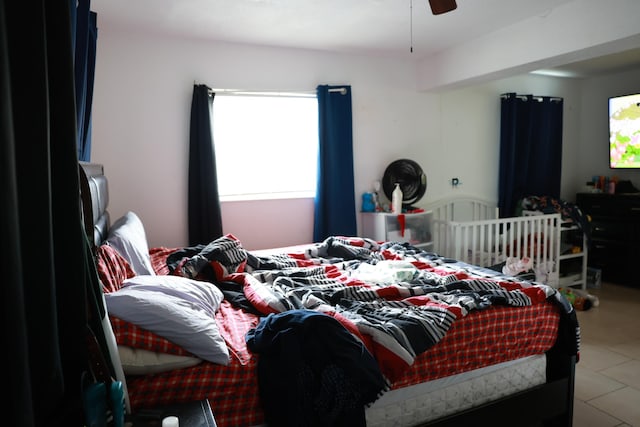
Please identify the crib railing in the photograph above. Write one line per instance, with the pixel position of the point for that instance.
(463, 209)
(490, 242)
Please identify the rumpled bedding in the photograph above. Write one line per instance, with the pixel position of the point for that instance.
(406, 312)
(493, 318)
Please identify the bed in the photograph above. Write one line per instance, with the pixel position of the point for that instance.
(468, 229)
(421, 339)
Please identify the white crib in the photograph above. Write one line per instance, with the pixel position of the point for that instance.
(468, 229)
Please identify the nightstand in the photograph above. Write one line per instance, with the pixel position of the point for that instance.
(414, 228)
(190, 414)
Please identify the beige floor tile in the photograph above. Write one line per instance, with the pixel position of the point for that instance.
(624, 403)
(590, 384)
(585, 415)
(611, 336)
(597, 357)
(612, 322)
(629, 349)
(628, 372)
(607, 389)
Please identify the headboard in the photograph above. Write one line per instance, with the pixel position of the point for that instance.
(94, 192)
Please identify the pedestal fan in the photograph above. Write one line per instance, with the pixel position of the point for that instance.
(412, 180)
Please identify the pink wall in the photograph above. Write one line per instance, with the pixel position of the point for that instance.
(266, 224)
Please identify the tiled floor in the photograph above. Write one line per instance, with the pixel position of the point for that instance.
(607, 389)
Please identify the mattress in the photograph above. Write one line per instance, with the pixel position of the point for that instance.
(424, 402)
(469, 345)
(431, 400)
(233, 390)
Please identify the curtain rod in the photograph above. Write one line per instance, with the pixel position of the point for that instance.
(247, 92)
(340, 90)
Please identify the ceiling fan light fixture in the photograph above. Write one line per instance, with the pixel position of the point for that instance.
(442, 6)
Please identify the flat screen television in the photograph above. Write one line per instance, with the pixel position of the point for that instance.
(624, 132)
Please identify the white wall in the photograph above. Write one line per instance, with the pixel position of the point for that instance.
(593, 133)
(142, 101)
(471, 127)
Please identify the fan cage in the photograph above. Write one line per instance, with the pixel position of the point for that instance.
(410, 176)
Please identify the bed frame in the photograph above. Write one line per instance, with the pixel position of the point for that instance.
(549, 404)
(95, 199)
(468, 229)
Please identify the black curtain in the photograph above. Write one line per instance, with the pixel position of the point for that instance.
(335, 205)
(530, 149)
(50, 288)
(84, 33)
(205, 216)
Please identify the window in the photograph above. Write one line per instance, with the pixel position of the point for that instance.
(266, 145)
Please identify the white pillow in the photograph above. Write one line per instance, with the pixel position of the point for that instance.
(179, 309)
(127, 236)
(136, 361)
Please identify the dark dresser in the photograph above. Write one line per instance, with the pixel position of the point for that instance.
(615, 234)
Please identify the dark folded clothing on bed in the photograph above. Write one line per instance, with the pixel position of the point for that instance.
(312, 371)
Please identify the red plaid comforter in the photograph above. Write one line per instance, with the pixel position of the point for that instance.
(478, 338)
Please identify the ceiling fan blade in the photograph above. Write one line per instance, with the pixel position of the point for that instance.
(442, 6)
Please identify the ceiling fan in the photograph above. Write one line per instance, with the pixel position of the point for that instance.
(438, 7)
(442, 6)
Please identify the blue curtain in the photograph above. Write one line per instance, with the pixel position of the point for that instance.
(530, 149)
(335, 205)
(84, 33)
(205, 215)
(51, 292)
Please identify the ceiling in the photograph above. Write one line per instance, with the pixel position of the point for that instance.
(616, 62)
(393, 28)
